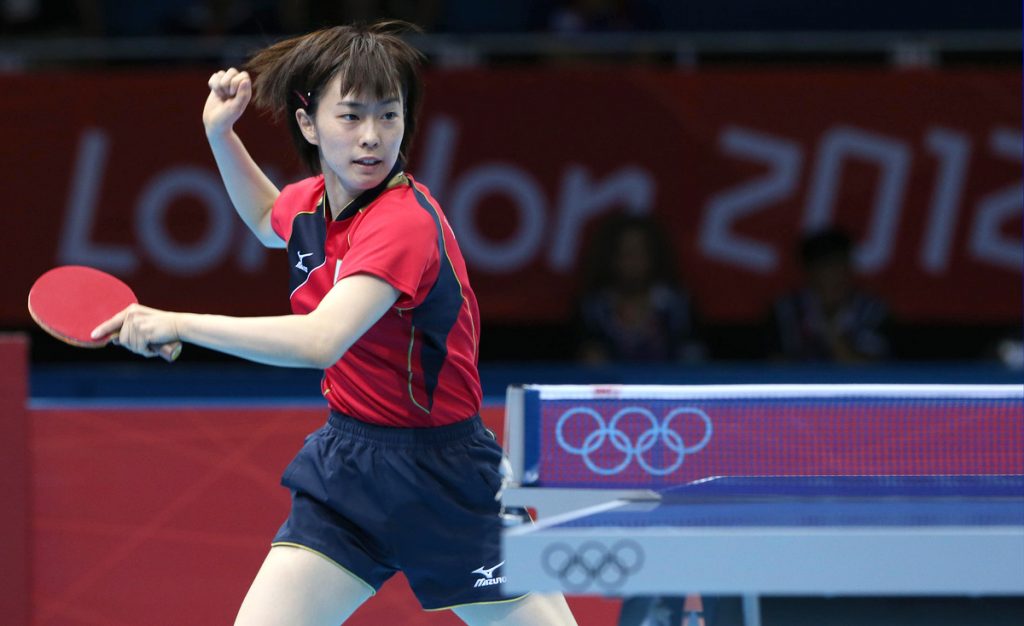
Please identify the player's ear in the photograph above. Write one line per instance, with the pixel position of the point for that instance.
(306, 126)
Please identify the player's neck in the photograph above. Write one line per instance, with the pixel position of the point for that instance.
(337, 197)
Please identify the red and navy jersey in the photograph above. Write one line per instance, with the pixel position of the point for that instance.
(417, 366)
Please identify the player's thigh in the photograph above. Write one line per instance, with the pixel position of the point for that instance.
(533, 610)
(297, 587)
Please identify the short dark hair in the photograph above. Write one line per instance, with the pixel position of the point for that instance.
(600, 256)
(823, 244)
(371, 58)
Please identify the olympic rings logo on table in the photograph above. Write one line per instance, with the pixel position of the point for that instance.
(660, 431)
(592, 562)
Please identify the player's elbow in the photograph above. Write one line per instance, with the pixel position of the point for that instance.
(267, 236)
(319, 354)
(325, 349)
(323, 359)
(263, 227)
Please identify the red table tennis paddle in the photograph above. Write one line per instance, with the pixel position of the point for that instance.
(70, 301)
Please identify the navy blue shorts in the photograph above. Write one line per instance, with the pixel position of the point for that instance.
(376, 500)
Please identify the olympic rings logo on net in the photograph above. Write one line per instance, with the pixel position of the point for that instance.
(660, 432)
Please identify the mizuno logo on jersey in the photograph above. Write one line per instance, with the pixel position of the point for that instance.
(300, 264)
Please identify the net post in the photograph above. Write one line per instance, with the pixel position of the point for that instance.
(514, 430)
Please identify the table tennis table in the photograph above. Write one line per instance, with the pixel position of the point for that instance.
(782, 490)
(798, 535)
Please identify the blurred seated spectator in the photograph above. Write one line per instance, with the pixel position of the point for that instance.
(632, 309)
(472, 17)
(1008, 349)
(312, 14)
(829, 318)
(128, 18)
(588, 16)
(59, 18)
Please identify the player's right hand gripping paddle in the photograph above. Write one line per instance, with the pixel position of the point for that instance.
(70, 301)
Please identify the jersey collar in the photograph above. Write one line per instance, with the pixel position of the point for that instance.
(395, 177)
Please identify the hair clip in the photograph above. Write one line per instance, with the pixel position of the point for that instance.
(303, 98)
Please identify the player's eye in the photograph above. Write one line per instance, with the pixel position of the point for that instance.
(349, 117)
(391, 116)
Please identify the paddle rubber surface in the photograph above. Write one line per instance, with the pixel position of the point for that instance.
(70, 301)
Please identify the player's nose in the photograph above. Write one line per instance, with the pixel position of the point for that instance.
(370, 137)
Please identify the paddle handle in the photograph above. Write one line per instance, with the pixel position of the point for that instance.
(169, 351)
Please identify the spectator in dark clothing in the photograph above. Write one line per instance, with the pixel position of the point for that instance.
(829, 318)
(632, 309)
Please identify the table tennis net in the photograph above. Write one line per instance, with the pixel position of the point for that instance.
(660, 436)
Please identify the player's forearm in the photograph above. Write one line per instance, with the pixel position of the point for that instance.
(250, 190)
(286, 340)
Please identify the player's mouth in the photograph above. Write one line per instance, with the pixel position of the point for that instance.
(368, 162)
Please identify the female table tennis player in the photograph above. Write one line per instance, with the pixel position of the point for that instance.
(403, 476)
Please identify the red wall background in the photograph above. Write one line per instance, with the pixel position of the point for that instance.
(14, 481)
(923, 167)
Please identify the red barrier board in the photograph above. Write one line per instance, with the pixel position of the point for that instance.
(162, 517)
(14, 481)
(922, 167)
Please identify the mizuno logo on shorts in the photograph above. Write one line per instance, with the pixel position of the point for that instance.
(488, 576)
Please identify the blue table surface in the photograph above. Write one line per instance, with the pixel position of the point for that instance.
(818, 501)
(850, 487)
